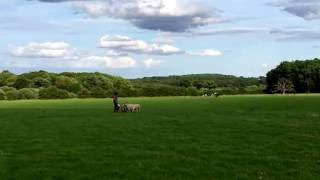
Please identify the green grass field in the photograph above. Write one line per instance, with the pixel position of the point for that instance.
(233, 137)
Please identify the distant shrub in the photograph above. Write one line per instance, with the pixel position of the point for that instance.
(6, 88)
(22, 82)
(3, 95)
(84, 93)
(68, 83)
(13, 94)
(72, 95)
(192, 92)
(7, 78)
(54, 93)
(98, 92)
(28, 93)
(40, 82)
(254, 89)
(11, 81)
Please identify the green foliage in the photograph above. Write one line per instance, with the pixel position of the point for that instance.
(254, 89)
(164, 90)
(98, 92)
(7, 78)
(192, 91)
(68, 83)
(92, 81)
(22, 82)
(11, 81)
(40, 82)
(203, 80)
(13, 94)
(304, 75)
(37, 74)
(3, 95)
(198, 84)
(204, 83)
(6, 88)
(184, 83)
(123, 87)
(98, 85)
(210, 84)
(84, 93)
(82, 85)
(28, 93)
(54, 93)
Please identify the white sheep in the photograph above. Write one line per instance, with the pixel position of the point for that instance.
(133, 107)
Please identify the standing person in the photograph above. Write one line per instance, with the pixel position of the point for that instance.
(115, 102)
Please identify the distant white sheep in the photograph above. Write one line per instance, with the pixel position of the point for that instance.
(133, 107)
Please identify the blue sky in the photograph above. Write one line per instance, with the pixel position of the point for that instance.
(133, 38)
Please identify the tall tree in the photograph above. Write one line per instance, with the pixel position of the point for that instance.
(284, 86)
(304, 75)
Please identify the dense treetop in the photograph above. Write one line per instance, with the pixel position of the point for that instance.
(304, 76)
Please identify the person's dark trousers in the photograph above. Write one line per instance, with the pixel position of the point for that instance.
(114, 110)
(116, 107)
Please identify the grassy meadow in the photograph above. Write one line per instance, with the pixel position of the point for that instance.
(232, 137)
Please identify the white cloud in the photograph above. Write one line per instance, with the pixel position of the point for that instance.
(208, 52)
(165, 15)
(105, 62)
(43, 50)
(125, 44)
(150, 63)
(227, 32)
(66, 56)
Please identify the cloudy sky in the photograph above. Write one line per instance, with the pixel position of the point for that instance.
(136, 38)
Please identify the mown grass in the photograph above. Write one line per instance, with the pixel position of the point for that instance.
(233, 137)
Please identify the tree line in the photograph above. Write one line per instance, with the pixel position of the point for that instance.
(200, 84)
(46, 85)
(296, 76)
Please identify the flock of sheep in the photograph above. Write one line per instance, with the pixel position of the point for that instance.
(137, 107)
(129, 108)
